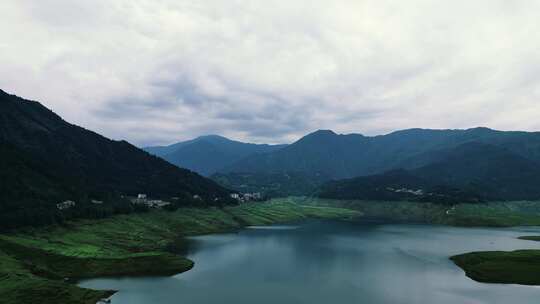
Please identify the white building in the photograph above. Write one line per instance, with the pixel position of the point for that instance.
(157, 203)
(65, 205)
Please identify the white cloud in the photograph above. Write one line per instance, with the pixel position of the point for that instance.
(160, 71)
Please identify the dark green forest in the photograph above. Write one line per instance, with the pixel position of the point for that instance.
(45, 160)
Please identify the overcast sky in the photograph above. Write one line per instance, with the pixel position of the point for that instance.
(159, 71)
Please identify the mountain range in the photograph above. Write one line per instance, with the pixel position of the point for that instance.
(344, 156)
(45, 160)
(480, 162)
(208, 154)
(470, 172)
(473, 164)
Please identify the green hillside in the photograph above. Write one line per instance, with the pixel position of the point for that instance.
(45, 160)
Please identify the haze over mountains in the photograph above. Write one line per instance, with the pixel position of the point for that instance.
(45, 160)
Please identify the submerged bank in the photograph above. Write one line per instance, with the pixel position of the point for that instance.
(39, 265)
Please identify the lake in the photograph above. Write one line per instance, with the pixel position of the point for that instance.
(332, 262)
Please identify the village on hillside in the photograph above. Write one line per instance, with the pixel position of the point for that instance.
(145, 200)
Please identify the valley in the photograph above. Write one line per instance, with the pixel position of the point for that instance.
(75, 205)
(52, 259)
(269, 152)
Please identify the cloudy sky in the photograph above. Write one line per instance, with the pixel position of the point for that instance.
(159, 71)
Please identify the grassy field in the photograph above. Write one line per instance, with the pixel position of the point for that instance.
(19, 285)
(35, 263)
(515, 267)
(494, 214)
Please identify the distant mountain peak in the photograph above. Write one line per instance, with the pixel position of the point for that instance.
(212, 137)
(328, 137)
(318, 135)
(481, 128)
(209, 153)
(322, 132)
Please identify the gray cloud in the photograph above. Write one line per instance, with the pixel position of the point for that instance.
(155, 72)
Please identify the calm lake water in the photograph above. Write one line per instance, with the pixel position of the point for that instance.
(332, 262)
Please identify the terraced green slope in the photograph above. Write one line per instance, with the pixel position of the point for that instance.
(34, 263)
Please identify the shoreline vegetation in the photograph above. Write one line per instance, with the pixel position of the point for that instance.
(503, 267)
(41, 265)
(530, 238)
(492, 214)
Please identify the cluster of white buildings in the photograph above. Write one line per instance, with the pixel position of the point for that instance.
(65, 205)
(247, 197)
(143, 200)
(405, 190)
(69, 204)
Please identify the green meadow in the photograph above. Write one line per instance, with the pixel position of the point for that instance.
(493, 214)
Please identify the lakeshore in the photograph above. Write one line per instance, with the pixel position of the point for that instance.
(45, 262)
(42, 265)
(328, 261)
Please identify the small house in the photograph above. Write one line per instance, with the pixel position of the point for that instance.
(65, 205)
